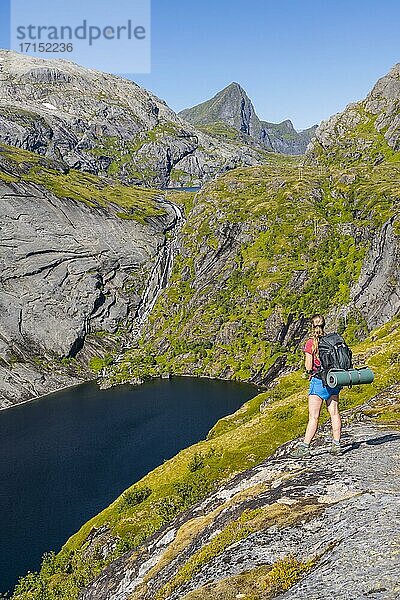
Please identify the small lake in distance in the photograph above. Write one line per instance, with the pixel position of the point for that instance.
(184, 189)
(65, 457)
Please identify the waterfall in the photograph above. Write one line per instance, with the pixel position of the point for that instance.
(157, 280)
(161, 271)
(156, 283)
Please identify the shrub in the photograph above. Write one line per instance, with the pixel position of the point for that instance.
(97, 363)
(134, 497)
(285, 573)
(196, 462)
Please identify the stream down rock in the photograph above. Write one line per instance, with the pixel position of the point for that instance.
(341, 512)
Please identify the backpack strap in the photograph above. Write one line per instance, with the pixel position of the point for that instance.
(320, 374)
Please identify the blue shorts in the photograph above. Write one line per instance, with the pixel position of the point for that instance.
(317, 388)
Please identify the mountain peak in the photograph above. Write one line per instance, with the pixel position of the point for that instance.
(230, 105)
(235, 90)
(285, 125)
(233, 86)
(233, 106)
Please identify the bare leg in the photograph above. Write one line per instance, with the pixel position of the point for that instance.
(314, 408)
(333, 408)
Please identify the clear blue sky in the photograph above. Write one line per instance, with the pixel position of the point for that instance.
(302, 59)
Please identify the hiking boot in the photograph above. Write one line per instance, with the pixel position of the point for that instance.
(336, 449)
(301, 451)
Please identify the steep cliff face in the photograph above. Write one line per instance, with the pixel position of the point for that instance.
(72, 271)
(104, 124)
(284, 138)
(233, 107)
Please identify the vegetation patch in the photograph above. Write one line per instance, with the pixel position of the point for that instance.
(262, 245)
(262, 583)
(249, 522)
(286, 241)
(138, 203)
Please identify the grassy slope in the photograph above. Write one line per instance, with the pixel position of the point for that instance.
(219, 128)
(356, 141)
(131, 157)
(134, 202)
(122, 202)
(209, 111)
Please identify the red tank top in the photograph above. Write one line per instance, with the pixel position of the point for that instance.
(308, 348)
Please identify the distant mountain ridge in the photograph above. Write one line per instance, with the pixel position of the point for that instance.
(106, 125)
(233, 107)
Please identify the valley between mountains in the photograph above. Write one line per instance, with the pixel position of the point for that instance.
(109, 273)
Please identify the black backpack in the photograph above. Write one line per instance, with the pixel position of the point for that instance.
(334, 353)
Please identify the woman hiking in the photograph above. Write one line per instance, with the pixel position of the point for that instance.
(317, 393)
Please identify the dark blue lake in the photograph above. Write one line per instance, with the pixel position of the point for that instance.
(65, 457)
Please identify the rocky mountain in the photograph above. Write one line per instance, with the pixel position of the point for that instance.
(105, 125)
(283, 137)
(365, 132)
(233, 107)
(278, 525)
(92, 253)
(284, 241)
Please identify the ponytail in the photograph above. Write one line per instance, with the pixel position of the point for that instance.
(317, 331)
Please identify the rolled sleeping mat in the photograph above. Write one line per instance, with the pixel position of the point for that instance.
(336, 377)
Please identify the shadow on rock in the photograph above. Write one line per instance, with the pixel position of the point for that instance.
(384, 439)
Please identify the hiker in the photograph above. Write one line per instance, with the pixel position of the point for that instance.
(317, 393)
